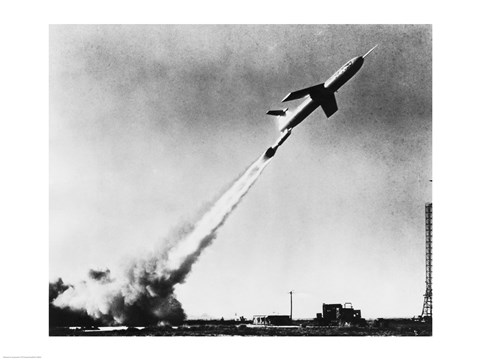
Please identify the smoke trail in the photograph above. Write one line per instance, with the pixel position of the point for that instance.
(188, 250)
(144, 293)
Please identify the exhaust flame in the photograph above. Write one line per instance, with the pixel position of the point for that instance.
(144, 293)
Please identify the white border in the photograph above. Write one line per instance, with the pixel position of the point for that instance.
(24, 149)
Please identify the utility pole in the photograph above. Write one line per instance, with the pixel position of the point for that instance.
(291, 304)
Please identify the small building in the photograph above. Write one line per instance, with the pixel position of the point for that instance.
(338, 314)
(273, 320)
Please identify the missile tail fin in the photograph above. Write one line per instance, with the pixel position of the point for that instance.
(282, 112)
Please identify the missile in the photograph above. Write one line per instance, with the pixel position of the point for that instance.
(319, 95)
(273, 149)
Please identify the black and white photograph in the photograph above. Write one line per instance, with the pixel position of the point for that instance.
(238, 180)
(250, 180)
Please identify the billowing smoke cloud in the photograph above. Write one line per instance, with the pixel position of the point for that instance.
(66, 316)
(144, 293)
(100, 275)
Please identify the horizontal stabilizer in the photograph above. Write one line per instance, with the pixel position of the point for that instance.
(277, 112)
(304, 92)
(329, 104)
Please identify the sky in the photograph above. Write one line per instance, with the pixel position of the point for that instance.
(148, 124)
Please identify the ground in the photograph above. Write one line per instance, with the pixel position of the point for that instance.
(379, 327)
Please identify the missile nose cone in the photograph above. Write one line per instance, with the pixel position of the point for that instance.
(369, 51)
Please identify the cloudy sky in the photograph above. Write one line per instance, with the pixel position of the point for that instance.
(150, 123)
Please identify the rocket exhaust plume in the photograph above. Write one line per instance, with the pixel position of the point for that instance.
(202, 235)
(144, 293)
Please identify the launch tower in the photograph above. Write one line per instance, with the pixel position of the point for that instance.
(427, 302)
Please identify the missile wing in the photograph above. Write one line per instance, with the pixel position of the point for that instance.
(318, 93)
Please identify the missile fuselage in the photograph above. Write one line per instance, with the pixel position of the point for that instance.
(335, 82)
(315, 96)
(295, 117)
(342, 75)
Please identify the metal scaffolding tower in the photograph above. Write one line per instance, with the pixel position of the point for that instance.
(427, 302)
